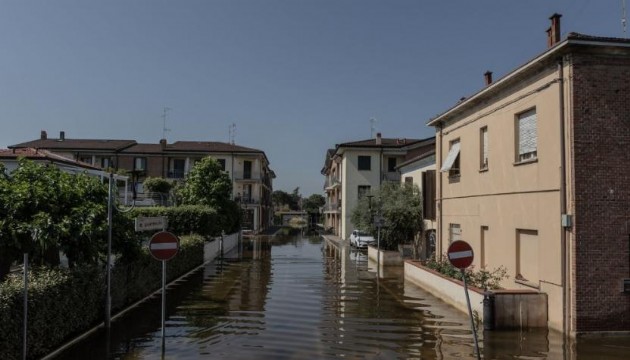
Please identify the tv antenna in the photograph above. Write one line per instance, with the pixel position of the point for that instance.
(623, 16)
(372, 127)
(164, 116)
(232, 133)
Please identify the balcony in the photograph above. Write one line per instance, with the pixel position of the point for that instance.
(247, 176)
(332, 207)
(331, 183)
(391, 176)
(175, 174)
(247, 200)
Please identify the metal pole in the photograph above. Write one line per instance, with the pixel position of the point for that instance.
(24, 342)
(108, 296)
(472, 322)
(163, 304)
(378, 253)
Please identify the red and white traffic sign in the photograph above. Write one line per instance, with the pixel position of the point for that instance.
(164, 245)
(460, 254)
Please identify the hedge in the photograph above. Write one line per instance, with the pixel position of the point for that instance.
(65, 302)
(188, 219)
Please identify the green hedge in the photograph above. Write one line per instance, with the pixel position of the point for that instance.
(133, 281)
(64, 302)
(61, 303)
(197, 219)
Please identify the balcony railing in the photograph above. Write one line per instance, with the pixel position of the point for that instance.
(175, 174)
(332, 207)
(240, 175)
(247, 200)
(331, 182)
(391, 176)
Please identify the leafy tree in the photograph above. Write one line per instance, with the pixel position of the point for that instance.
(312, 203)
(401, 209)
(282, 199)
(206, 184)
(44, 210)
(157, 184)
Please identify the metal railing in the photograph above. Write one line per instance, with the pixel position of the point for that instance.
(240, 175)
(175, 174)
(331, 181)
(391, 176)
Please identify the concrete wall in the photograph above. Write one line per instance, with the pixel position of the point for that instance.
(212, 249)
(351, 179)
(387, 258)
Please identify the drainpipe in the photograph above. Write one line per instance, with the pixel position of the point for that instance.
(438, 159)
(566, 293)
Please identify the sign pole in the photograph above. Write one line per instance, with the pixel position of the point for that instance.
(460, 255)
(108, 296)
(163, 304)
(24, 342)
(472, 322)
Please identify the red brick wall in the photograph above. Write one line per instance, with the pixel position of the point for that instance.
(601, 183)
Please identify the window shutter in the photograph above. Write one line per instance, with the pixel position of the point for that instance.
(528, 139)
(450, 158)
(484, 138)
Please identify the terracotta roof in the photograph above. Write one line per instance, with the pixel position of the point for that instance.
(76, 144)
(385, 142)
(421, 156)
(35, 154)
(578, 36)
(208, 146)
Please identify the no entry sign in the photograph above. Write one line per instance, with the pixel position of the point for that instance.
(460, 254)
(164, 245)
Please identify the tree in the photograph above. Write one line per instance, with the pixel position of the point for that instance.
(207, 184)
(157, 184)
(44, 210)
(401, 209)
(312, 203)
(283, 199)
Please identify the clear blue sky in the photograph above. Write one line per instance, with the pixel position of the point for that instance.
(295, 76)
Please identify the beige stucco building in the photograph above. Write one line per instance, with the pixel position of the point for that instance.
(533, 172)
(354, 169)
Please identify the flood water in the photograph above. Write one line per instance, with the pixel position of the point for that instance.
(300, 297)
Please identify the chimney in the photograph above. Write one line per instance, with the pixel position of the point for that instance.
(43, 135)
(488, 77)
(553, 33)
(163, 143)
(62, 135)
(378, 139)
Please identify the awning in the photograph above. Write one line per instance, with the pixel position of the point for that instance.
(450, 159)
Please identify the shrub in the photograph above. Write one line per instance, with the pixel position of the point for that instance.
(196, 219)
(482, 279)
(61, 303)
(157, 184)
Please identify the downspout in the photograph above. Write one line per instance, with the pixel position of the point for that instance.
(438, 172)
(566, 298)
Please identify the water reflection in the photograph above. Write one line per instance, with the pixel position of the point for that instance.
(296, 297)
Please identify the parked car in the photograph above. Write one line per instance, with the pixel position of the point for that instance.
(361, 239)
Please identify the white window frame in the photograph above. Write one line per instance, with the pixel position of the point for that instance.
(526, 132)
(483, 148)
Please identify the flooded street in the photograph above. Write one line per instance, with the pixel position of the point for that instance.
(298, 297)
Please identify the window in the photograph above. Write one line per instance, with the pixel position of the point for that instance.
(408, 180)
(177, 171)
(391, 164)
(483, 148)
(222, 163)
(365, 162)
(482, 247)
(454, 232)
(86, 159)
(451, 164)
(527, 257)
(140, 163)
(106, 163)
(247, 169)
(428, 195)
(526, 136)
(363, 190)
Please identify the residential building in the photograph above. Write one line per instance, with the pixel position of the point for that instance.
(419, 170)
(535, 175)
(354, 169)
(248, 168)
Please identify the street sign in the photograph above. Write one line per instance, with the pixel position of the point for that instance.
(163, 245)
(151, 223)
(460, 254)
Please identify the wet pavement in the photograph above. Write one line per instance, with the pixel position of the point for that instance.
(300, 297)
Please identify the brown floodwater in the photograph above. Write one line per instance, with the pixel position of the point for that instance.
(300, 297)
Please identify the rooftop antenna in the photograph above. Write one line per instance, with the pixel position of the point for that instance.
(164, 116)
(372, 127)
(623, 16)
(232, 133)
